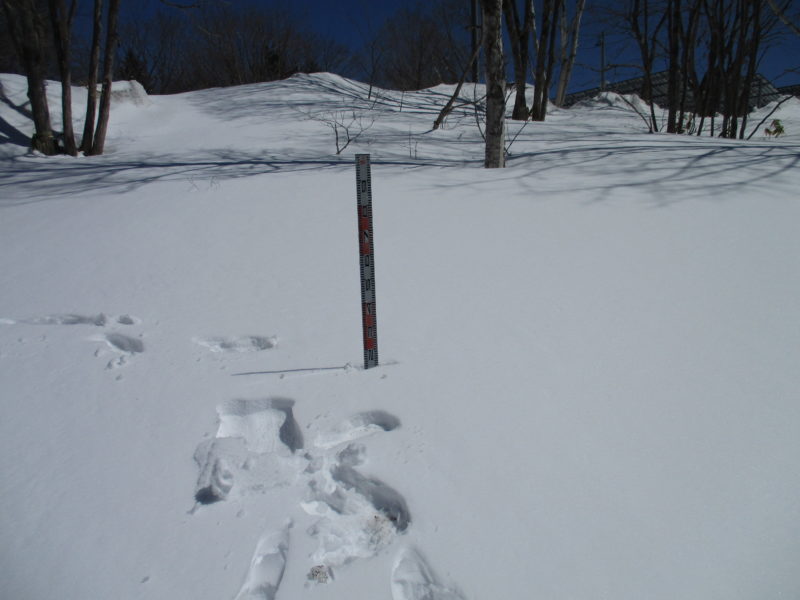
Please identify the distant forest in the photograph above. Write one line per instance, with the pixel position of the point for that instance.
(214, 44)
(706, 53)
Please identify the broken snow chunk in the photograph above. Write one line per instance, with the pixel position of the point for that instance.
(216, 470)
(320, 574)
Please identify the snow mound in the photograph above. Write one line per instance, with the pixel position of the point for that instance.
(129, 92)
(615, 100)
(786, 111)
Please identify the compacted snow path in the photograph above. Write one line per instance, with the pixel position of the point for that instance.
(122, 346)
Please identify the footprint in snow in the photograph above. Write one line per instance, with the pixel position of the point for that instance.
(358, 426)
(98, 320)
(125, 343)
(125, 346)
(248, 343)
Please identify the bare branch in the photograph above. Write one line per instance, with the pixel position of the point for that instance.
(782, 16)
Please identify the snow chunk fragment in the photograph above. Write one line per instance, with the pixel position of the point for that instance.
(413, 579)
(267, 566)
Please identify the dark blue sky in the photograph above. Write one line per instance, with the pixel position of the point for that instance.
(346, 20)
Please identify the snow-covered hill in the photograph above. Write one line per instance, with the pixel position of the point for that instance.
(590, 375)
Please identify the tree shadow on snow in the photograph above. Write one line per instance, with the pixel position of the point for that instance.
(595, 165)
(11, 135)
(57, 177)
(8, 133)
(667, 171)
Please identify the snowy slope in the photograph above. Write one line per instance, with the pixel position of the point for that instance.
(590, 370)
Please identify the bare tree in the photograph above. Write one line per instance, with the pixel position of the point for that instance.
(8, 54)
(229, 44)
(518, 34)
(474, 37)
(91, 85)
(780, 12)
(422, 45)
(689, 81)
(545, 59)
(112, 40)
(61, 20)
(674, 29)
(347, 126)
(492, 11)
(645, 26)
(160, 47)
(568, 36)
(28, 31)
(448, 107)
(736, 30)
(368, 59)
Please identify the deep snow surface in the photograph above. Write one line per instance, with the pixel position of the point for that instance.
(590, 372)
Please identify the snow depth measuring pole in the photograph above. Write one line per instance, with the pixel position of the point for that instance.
(366, 250)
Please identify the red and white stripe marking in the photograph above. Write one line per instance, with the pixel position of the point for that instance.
(369, 316)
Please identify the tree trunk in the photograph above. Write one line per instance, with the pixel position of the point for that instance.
(754, 42)
(475, 39)
(449, 106)
(673, 73)
(647, 42)
(492, 11)
(539, 84)
(568, 57)
(730, 124)
(108, 73)
(689, 79)
(94, 63)
(28, 32)
(551, 59)
(518, 35)
(62, 23)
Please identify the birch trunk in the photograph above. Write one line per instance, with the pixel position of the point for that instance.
(492, 11)
(568, 57)
(540, 80)
(91, 86)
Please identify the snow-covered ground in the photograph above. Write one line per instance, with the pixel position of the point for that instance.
(590, 384)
